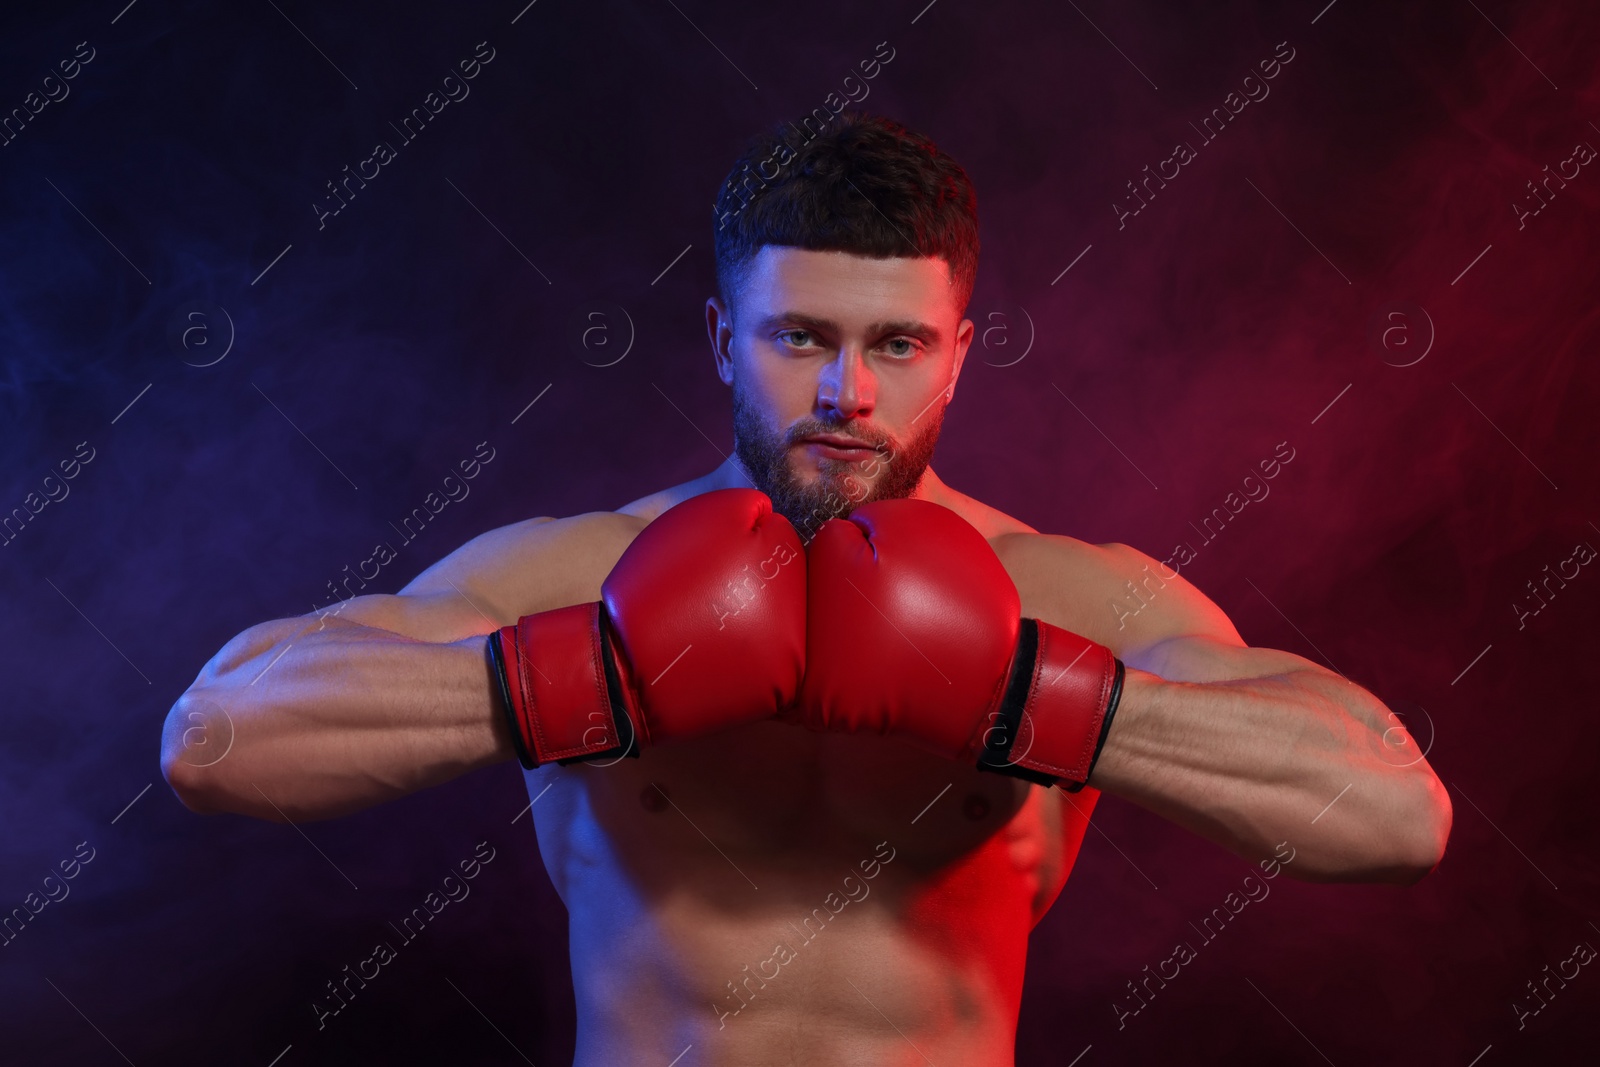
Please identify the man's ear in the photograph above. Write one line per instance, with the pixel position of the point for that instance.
(964, 334)
(719, 327)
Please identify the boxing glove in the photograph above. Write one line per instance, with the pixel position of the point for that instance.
(914, 630)
(700, 627)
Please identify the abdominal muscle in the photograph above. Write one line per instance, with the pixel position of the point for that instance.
(773, 896)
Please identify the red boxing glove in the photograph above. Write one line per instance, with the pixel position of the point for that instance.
(700, 627)
(914, 630)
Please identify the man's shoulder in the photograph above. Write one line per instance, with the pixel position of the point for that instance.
(1010, 534)
(1067, 567)
(647, 508)
(596, 528)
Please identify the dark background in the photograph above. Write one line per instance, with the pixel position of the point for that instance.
(1176, 353)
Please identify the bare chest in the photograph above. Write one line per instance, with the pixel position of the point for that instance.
(771, 813)
(774, 803)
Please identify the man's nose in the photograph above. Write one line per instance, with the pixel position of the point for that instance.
(847, 386)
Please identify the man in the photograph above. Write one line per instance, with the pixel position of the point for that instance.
(765, 858)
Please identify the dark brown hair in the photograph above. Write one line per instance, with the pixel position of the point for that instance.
(861, 183)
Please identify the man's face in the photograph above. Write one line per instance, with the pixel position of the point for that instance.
(863, 352)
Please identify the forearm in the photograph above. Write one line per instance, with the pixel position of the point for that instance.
(1298, 757)
(311, 719)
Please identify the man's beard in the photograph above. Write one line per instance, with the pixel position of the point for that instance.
(841, 485)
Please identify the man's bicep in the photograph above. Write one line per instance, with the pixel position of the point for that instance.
(439, 618)
(483, 555)
(252, 652)
(1162, 603)
(473, 590)
(528, 566)
(493, 569)
(1182, 635)
(1203, 658)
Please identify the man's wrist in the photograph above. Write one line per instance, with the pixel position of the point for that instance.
(1105, 726)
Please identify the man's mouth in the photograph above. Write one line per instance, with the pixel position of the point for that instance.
(836, 446)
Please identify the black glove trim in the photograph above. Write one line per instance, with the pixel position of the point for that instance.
(1105, 727)
(497, 665)
(629, 745)
(999, 738)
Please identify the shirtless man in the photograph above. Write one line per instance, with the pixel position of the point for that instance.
(773, 893)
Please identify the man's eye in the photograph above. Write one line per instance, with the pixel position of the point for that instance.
(910, 349)
(801, 333)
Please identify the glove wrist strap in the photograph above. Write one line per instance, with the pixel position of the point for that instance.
(562, 693)
(1057, 709)
(497, 667)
